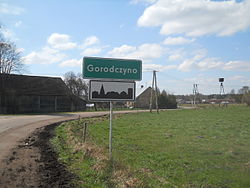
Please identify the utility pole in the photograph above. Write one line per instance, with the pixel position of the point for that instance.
(154, 87)
(195, 92)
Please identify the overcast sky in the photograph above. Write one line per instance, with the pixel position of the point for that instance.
(187, 41)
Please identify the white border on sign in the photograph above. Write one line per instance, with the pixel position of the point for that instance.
(109, 87)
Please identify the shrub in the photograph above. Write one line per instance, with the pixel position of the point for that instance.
(166, 101)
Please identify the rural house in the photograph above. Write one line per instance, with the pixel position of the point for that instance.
(143, 100)
(36, 94)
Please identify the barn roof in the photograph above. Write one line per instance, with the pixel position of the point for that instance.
(145, 93)
(33, 85)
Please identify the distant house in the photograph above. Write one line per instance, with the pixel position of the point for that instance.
(221, 101)
(36, 94)
(143, 100)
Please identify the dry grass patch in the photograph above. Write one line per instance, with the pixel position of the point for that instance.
(87, 158)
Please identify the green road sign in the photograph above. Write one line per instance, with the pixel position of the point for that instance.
(107, 68)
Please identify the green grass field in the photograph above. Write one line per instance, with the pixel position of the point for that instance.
(178, 148)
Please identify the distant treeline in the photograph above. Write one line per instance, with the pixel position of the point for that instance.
(166, 101)
(237, 98)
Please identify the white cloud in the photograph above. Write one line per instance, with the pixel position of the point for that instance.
(9, 9)
(122, 51)
(21, 50)
(145, 52)
(237, 78)
(197, 17)
(89, 41)
(177, 41)
(149, 51)
(237, 65)
(201, 79)
(52, 53)
(9, 34)
(150, 67)
(91, 51)
(209, 63)
(168, 67)
(45, 56)
(61, 41)
(157, 67)
(191, 63)
(175, 57)
(186, 65)
(18, 24)
(201, 62)
(71, 63)
(142, 1)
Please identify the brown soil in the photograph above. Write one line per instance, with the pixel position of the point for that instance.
(33, 163)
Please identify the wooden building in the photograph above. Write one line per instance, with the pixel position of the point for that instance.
(36, 94)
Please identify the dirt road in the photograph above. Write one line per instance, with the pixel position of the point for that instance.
(14, 128)
(26, 157)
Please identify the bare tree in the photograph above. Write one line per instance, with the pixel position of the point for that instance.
(76, 84)
(10, 57)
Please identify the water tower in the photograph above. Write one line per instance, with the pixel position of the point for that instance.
(222, 91)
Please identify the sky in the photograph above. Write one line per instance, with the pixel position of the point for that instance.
(187, 41)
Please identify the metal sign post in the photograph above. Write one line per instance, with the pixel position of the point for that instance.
(110, 129)
(117, 82)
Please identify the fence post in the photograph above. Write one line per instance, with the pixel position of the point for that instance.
(84, 131)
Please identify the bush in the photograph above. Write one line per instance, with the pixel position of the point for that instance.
(166, 101)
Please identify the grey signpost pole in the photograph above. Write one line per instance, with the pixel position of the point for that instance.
(112, 72)
(110, 129)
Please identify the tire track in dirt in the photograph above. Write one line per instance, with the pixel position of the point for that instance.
(33, 163)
